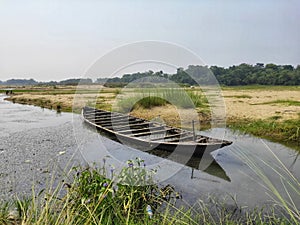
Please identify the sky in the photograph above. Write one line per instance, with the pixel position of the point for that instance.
(60, 39)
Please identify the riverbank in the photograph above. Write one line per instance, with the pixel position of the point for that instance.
(131, 198)
(271, 112)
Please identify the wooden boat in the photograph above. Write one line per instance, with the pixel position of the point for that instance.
(148, 135)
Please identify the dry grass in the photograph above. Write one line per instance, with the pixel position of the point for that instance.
(253, 106)
(240, 103)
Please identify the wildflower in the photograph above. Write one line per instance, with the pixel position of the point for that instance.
(112, 169)
(130, 164)
(105, 184)
(149, 211)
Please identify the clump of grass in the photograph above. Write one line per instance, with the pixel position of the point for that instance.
(101, 196)
(148, 98)
(283, 201)
(283, 131)
(150, 101)
(4, 212)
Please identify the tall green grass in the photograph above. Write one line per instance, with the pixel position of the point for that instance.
(283, 131)
(150, 97)
(103, 196)
(283, 201)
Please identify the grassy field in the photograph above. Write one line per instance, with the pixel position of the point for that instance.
(272, 112)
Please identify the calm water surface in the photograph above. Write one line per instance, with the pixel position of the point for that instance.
(31, 137)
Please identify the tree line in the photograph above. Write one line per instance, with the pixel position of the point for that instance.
(243, 74)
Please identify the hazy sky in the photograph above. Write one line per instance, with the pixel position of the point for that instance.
(57, 39)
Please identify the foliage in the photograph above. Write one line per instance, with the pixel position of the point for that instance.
(286, 131)
(151, 97)
(259, 74)
(243, 74)
(101, 196)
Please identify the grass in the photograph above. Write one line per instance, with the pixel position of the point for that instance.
(283, 201)
(101, 196)
(283, 131)
(150, 97)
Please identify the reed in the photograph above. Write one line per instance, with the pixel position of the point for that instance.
(101, 196)
(152, 97)
(283, 201)
(274, 129)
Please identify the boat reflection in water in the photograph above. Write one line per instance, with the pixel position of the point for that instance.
(211, 166)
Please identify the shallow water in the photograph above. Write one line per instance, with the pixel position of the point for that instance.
(36, 142)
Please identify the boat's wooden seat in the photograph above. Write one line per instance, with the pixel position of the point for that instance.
(123, 127)
(109, 118)
(150, 132)
(182, 139)
(95, 113)
(121, 122)
(168, 136)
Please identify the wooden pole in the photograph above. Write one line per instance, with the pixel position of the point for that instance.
(194, 135)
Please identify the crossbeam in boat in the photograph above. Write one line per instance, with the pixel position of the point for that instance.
(167, 137)
(150, 132)
(116, 128)
(120, 122)
(115, 118)
(95, 113)
(135, 130)
(186, 138)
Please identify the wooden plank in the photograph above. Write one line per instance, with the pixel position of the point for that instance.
(95, 113)
(129, 125)
(115, 118)
(183, 138)
(102, 115)
(106, 115)
(121, 122)
(200, 139)
(134, 130)
(149, 132)
(167, 137)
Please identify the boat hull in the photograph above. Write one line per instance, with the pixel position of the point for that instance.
(104, 121)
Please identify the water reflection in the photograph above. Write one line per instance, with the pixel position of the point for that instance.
(211, 165)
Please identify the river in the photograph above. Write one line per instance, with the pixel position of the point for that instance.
(37, 144)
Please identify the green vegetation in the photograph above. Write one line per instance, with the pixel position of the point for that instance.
(100, 196)
(243, 74)
(286, 131)
(259, 74)
(149, 97)
(283, 200)
(236, 75)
